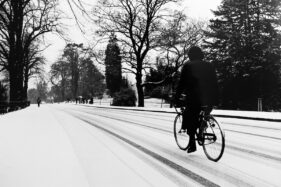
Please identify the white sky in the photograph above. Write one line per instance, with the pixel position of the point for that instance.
(199, 9)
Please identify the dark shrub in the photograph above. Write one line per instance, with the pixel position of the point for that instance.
(126, 97)
(3, 92)
(160, 93)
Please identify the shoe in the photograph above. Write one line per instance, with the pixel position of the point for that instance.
(191, 146)
(191, 149)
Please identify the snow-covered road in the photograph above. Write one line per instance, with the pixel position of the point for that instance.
(71, 145)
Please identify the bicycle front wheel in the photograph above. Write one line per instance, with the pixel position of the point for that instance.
(214, 140)
(181, 137)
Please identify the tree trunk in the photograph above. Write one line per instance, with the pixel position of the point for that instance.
(74, 82)
(172, 93)
(16, 52)
(63, 90)
(25, 86)
(140, 90)
(16, 86)
(140, 96)
(25, 89)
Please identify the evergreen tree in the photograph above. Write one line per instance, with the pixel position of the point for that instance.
(126, 96)
(158, 75)
(113, 71)
(72, 54)
(244, 44)
(91, 82)
(158, 84)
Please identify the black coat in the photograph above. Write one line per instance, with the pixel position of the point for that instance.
(199, 82)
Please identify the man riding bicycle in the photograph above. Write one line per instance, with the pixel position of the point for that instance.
(198, 81)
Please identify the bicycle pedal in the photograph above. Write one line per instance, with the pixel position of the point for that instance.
(183, 131)
(200, 142)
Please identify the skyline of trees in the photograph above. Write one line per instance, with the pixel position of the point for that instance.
(74, 74)
(243, 41)
(244, 44)
(137, 25)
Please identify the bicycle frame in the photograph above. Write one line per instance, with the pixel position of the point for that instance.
(208, 134)
(203, 117)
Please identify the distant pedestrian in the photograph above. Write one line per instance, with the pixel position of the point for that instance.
(38, 101)
(91, 101)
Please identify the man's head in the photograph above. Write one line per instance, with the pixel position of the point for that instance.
(195, 53)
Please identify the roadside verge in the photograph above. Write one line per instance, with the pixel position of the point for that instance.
(250, 115)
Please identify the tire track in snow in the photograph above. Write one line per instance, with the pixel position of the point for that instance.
(278, 159)
(188, 173)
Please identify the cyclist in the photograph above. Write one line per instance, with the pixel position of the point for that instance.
(198, 82)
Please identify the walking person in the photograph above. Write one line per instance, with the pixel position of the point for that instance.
(38, 101)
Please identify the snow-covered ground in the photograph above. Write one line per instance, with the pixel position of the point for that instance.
(62, 145)
(223, 113)
(154, 104)
(43, 147)
(35, 151)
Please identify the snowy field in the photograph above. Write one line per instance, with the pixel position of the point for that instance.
(270, 116)
(158, 105)
(64, 145)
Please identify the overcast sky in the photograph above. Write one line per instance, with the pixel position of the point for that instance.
(199, 9)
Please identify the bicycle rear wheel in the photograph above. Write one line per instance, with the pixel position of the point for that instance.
(181, 137)
(214, 140)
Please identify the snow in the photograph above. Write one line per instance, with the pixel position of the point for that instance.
(158, 105)
(35, 151)
(247, 159)
(48, 148)
(226, 113)
(105, 161)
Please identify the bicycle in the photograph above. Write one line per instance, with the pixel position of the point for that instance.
(209, 135)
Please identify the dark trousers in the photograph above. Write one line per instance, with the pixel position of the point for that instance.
(191, 120)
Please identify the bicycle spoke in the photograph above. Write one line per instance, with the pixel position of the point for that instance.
(214, 146)
(181, 137)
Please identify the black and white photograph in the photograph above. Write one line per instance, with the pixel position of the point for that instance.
(140, 93)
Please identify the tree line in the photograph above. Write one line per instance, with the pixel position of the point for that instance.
(242, 41)
(74, 74)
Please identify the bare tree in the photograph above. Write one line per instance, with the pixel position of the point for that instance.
(176, 38)
(179, 35)
(22, 22)
(33, 64)
(137, 24)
